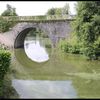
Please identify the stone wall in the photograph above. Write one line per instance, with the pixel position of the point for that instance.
(54, 29)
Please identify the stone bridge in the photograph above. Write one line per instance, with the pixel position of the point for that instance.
(54, 28)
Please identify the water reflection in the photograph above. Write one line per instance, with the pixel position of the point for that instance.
(35, 51)
(84, 75)
(44, 89)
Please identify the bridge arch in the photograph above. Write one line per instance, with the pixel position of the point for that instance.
(22, 29)
(21, 34)
(55, 29)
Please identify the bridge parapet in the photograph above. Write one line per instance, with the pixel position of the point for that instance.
(37, 18)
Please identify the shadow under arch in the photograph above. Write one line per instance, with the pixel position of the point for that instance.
(19, 41)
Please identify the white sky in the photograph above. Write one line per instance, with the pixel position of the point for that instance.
(29, 8)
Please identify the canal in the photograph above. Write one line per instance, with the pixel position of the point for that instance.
(40, 71)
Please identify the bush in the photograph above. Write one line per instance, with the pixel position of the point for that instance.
(70, 45)
(89, 52)
(97, 47)
(74, 49)
(63, 45)
(5, 58)
(5, 24)
(48, 45)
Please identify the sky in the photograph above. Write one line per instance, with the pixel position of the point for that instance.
(32, 8)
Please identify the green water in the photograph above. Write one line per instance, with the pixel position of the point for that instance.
(84, 74)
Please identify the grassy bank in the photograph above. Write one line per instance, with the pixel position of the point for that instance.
(6, 89)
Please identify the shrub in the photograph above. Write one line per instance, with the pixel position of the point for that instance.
(74, 49)
(97, 47)
(5, 24)
(89, 52)
(48, 45)
(5, 58)
(70, 45)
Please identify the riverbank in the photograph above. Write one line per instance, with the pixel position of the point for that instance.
(8, 90)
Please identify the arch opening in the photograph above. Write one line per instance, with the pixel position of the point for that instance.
(19, 41)
(35, 43)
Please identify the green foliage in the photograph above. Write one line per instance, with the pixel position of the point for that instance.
(5, 58)
(66, 9)
(59, 11)
(73, 46)
(32, 33)
(4, 63)
(70, 45)
(48, 45)
(87, 27)
(40, 17)
(54, 11)
(10, 11)
(51, 11)
(8, 90)
(5, 24)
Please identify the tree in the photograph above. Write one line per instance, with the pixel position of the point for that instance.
(4, 23)
(87, 27)
(10, 11)
(51, 11)
(66, 9)
(59, 11)
(54, 11)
